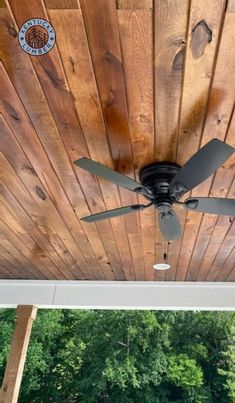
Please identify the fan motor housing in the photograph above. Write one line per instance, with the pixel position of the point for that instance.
(157, 177)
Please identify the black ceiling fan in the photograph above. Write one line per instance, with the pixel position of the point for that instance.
(164, 183)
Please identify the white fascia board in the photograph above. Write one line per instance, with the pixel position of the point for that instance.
(118, 295)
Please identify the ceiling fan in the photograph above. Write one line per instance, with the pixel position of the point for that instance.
(164, 183)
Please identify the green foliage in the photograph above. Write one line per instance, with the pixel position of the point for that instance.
(7, 321)
(229, 373)
(183, 371)
(126, 357)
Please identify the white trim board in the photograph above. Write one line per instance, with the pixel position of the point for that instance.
(118, 295)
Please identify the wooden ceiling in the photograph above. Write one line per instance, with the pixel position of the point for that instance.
(128, 82)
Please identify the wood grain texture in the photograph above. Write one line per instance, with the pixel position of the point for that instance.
(61, 4)
(198, 73)
(127, 83)
(82, 81)
(224, 180)
(108, 66)
(54, 141)
(134, 4)
(219, 111)
(15, 364)
(136, 32)
(170, 30)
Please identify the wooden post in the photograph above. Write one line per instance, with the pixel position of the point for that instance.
(16, 360)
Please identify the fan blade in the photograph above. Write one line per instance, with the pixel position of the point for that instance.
(114, 213)
(202, 164)
(169, 225)
(109, 174)
(211, 205)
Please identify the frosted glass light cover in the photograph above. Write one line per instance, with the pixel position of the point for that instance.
(161, 266)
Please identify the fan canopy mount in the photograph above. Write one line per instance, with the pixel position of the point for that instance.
(157, 177)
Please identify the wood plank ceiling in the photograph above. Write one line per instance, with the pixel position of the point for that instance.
(128, 82)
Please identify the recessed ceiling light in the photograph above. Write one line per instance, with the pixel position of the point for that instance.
(161, 266)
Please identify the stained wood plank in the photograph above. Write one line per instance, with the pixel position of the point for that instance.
(35, 106)
(42, 247)
(206, 231)
(173, 251)
(12, 257)
(148, 229)
(23, 253)
(31, 145)
(227, 273)
(26, 172)
(134, 4)
(216, 125)
(107, 59)
(208, 270)
(219, 233)
(102, 31)
(69, 127)
(136, 32)
(5, 273)
(7, 263)
(206, 20)
(217, 269)
(202, 241)
(170, 29)
(9, 178)
(61, 4)
(223, 186)
(221, 100)
(31, 248)
(19, 257)
(15, 364)
(88, 107)
(169, 42)
(231, 276)
(221, 258)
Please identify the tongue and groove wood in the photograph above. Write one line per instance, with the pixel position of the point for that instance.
(81, 79)
(170, 31)
(108, 67)
(128, 82)
(219, 111)
(204, 18)
(136, 30)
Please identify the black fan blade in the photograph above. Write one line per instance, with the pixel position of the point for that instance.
(109, 174)
(169, 225)
(211, 205)
(202, 164)
(114, 213)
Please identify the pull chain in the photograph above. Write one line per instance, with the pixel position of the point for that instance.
(166, 253)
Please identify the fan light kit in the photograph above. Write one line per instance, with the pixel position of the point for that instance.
(164, 183)
(161, 266)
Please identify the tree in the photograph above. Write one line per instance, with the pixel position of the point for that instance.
(229, 356)
(205, 336)
(126, 356)
(122, 353)
(7, 321)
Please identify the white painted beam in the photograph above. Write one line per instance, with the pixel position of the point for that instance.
(118, 295)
